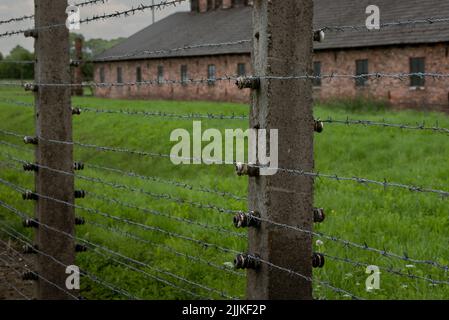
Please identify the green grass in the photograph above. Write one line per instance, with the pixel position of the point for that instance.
(397, 220)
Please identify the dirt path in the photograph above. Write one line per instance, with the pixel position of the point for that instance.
(12, 265)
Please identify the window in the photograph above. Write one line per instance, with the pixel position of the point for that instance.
(361, 68)
(119, 75)
(184, 77)
(417, 65)
(160, 74)
(241, 69)
(211, 74)
(138, 74)
(317, 73)
(210, 5)
(102, 77)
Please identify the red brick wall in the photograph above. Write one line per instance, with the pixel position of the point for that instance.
(397, 92)
(387, 60)
(197, 69)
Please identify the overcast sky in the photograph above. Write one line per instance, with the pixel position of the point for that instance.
(112, 28)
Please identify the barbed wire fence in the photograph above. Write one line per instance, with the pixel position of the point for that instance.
(274, 217)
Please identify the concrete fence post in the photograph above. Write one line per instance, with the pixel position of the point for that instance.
(53, 122)
(283, 46)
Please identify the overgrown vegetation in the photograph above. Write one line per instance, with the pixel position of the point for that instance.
(91, 48)
(17, 70)
(397, 220)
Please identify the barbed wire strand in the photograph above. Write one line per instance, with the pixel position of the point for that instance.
(444, 194)
(91, 276)
(175, 183)
(385, 184)
(93, 245)
(15, 146)
(5, 230)
(31, 16)
(145, 210)
(159, 196)
(159, 213)
(383, 123)
(102, 17)
(9, 284)
(91, 210)
(415, 21)
(261, 260)
(309, 279)
(139, 53)
(229, 78)
(151, 114)
(347, 243)
(145, 227)
(161, 114)
(132, 189)
(387, 269)
(166, 248)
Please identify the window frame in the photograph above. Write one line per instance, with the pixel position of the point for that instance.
(417, 65)
(102, 75)
(211, 76)
(361, 68)
(139, 74)
(239, 73)
(160, 74)
(184, 74)
(119, 75)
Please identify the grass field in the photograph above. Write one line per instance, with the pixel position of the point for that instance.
(393, 219)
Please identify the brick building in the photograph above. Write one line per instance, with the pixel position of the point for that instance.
(394, 49)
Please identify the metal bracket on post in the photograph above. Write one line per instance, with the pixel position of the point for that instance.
(31, 87)
(318, 215)
(247, 261)
(31, 140)
(247, 83)
(318, 126)
(31, 34)
(76, 111)
(318, 35)
(318, 260)
(30, 276)
(80, 194)
(243, 169)
(246, 220)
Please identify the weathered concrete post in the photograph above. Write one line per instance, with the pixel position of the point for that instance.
(283, 40)
(53, 121)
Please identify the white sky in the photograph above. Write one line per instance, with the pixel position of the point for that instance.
(111, 28)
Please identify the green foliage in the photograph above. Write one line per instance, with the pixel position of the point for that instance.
(397, 220)
(17, 70)
(91, 48)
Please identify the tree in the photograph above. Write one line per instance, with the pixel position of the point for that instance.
(91, 48)
(14, 70)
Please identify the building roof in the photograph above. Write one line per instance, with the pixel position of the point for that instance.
(188, 29)
(352, 12)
